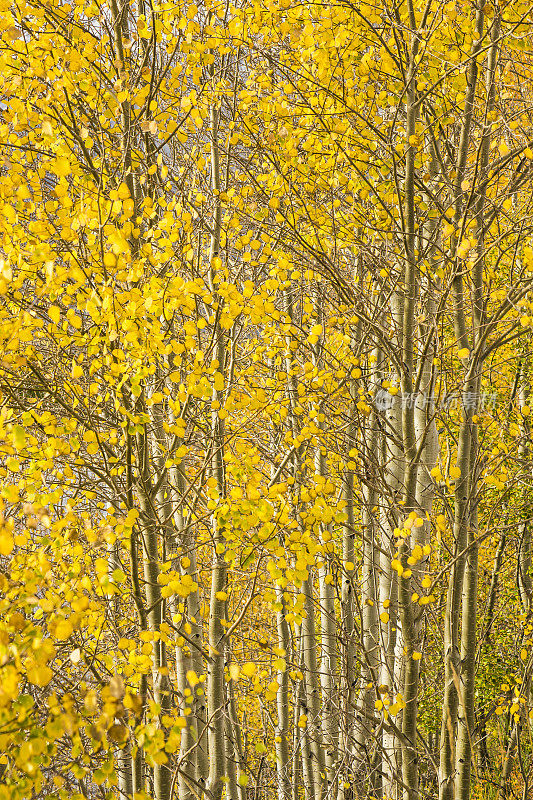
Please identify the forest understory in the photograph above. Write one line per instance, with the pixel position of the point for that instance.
(266, 457)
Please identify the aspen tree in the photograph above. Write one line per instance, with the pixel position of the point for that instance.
(248, 548)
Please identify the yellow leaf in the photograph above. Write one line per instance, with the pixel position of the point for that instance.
(6, 543)
(63, 629)
(463, 249)
(192, 677)
(61, 167)
(40, 676)
(248, 669)
(116, 687)
(123, 191)
(19, 436)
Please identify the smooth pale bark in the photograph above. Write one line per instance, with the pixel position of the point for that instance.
(365, 710)
(493, 588)
(235, 733)
(427, 439)
(390, 675)
(155, 522)
(524, 567)
(284, 787)
(348, 632)
(301, 736)
(425, 410)
(411, 277)
(328, 677)
(525, 582)
(199, 758)
(410, 691)
(328, 635)
(524, 571)
(122, 754)
(189, 652)
(451, 619)
(186, 756)
(465, 734)
(426, 429)
(466, 716)
(348, 675)
(188, 657)
(124, 772)
(287, 789)
(365, 715)
(150, 527)
(466, 712)
(296, 761)
(312, 686)
(309, 692)
(215, 671)
(503, 787)
(463, 488)
(233, 790)
(169, 516)
(121, 34)
(393, 466)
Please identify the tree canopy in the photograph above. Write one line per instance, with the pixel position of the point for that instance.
(266, 497)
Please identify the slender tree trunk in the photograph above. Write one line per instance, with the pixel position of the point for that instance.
(393, 470)
(217, 605)
(525, 582)
(124, 771)
(122, 754)
(411, 667)
(328, 648)
(463, 488)
(233, 790)
(365, 713)
(311, 790)
(312, 686)
(451, 620)
(348, 637)
(466, 715)
(188, 657)
(282, 704)
(150, 525)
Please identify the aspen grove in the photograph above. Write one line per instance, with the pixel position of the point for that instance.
(266, 458)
